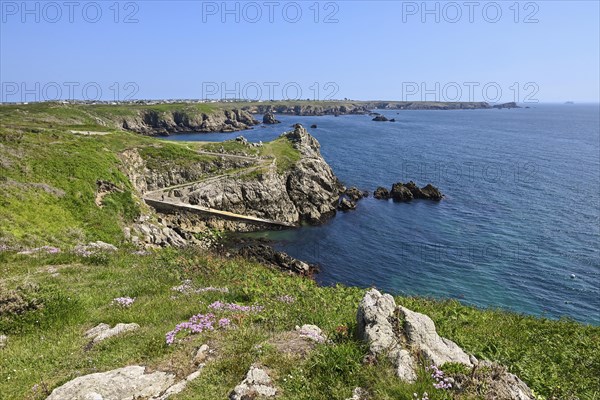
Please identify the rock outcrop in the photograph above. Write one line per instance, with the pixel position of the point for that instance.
(103, 331)
(380, 118)
(256, 384)
(405, 337)
(269, 118)
(346, 205)
(153, 122)
(355, 194)
(428, 192)
(267, 255)
(406, 192)
(381, 193)
(400, 192)
(3, 341)
(124, 383)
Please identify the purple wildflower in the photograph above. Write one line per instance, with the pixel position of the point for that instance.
(286, 299)
(196, 324)
(123, 301)
(224, 322)
(218, 305)
(438, 375)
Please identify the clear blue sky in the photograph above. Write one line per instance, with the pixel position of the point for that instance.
(376, 50)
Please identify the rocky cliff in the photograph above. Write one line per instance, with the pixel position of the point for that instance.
(153, 122)
(307, 192)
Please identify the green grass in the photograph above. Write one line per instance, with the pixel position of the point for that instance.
(47, 347)
(284, 152)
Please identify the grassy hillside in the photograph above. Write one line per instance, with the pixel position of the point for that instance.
(48, 181)
(47, 348)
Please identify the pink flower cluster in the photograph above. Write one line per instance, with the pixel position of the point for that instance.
(218, 305)
(196, 324)
(286, 299)
(123, 301)
(438, 375)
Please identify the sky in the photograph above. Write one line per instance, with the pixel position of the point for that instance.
(536, 51)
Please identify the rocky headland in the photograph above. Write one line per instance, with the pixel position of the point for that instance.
(163, 123)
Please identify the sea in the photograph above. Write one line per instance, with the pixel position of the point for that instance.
(518, 229)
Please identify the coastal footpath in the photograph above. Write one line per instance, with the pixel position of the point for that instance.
(104, 297)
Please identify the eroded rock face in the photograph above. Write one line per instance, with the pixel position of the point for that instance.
(422, 336)
(402, 335)
(311, 184)
(378, 326)
(256, 384)
(151, 122)
(120, 384)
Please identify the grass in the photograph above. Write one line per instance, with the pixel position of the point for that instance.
(47, 348)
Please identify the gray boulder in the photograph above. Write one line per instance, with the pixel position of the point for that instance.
(103, 331)
(257, 383)
(376, 326)
(120, 384)
(421, 334)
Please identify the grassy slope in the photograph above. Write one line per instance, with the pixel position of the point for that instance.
(46, 346)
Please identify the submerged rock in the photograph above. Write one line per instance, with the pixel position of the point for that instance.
(313, 126)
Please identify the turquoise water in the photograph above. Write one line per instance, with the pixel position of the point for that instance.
(519, 227)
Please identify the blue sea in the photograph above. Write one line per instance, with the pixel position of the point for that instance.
(519, 228)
